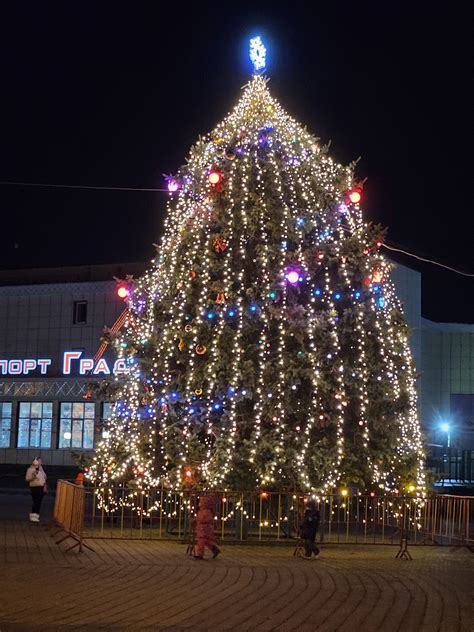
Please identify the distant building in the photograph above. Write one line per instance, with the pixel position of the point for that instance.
(50, 324)
(444, 356)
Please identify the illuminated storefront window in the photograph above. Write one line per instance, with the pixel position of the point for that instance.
(5, 424)
(34, 424)
(76, 425)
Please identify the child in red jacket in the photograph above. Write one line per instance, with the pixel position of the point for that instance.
(205, 528)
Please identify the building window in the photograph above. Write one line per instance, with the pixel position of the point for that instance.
(5, 424)
(80, 313)
(76, 425)
(34, 424)
(107, 408)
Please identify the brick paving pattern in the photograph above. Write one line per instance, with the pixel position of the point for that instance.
(135, 585)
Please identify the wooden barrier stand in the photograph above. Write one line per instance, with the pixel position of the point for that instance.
(69, 513)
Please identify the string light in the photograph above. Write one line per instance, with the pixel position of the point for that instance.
(284, 370)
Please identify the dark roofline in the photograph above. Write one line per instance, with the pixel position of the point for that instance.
(72, 274)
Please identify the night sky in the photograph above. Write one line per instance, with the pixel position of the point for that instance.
(116, 95)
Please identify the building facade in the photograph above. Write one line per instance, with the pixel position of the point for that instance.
(51, 321)
(444, 357)
(50, 325)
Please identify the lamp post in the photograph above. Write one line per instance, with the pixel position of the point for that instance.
(446, 428)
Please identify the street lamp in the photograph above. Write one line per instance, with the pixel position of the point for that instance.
(446, 428)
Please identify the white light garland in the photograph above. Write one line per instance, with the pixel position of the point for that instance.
(257, 196)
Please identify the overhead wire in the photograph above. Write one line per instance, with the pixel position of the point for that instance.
(78, 186)
(152, 190)
(436, 263)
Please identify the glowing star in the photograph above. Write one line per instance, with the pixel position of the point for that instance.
(258, 54)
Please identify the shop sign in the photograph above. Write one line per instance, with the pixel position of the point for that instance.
(72, 364)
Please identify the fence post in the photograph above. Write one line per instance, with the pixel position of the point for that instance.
(347, 513)
(241, 516)
(161, 512)
(223, 502)
(279, 516)
(323, 521)
(383, 519)
(330, 517)
(403, 552)
(467, 516)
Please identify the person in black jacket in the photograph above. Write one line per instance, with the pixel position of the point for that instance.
(309, 528)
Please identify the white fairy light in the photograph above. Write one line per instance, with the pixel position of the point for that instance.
(277, 208)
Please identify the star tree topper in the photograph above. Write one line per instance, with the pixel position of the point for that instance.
(258, 54)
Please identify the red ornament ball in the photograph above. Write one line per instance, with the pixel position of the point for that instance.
(215, 177)
(123, 291)
(355, 196)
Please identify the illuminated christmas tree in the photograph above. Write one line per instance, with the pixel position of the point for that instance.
(265, 347)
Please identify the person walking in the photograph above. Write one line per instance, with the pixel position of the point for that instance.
(36, 477)
(309, 528)
(205, 528)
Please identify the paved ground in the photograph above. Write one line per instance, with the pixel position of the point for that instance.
(154, 585)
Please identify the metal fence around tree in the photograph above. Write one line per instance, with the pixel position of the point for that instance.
(275, 517)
